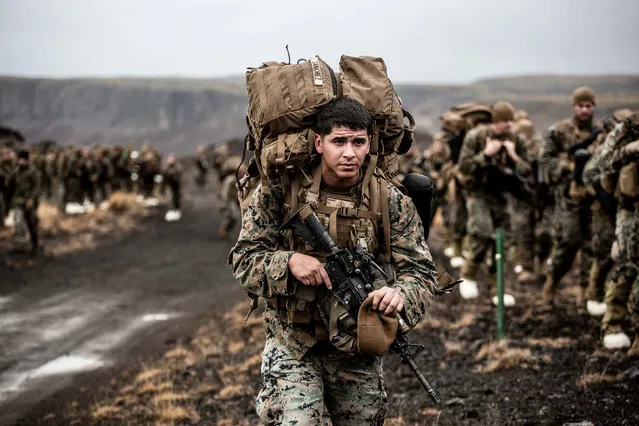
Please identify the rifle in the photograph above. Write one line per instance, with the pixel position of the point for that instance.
(581, 157)
(455, 143)
(421, 190)
(508, 181)
(541, 192)
(606, 200)
(353, 272)
(594, 133)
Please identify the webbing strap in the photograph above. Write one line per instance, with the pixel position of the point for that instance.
(312, 196)
(332, 226)
(373, 153)
(385, 218)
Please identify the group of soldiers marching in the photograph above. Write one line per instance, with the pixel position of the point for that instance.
(569, 198)
(227, 167)
(80, 178)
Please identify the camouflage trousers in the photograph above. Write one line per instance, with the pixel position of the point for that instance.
(523, 221)
(73, 190)
(485, 215)
(324, 384)
(622, 295)
(457, 218)
(603, 236)
(231, 215)
(572, 236)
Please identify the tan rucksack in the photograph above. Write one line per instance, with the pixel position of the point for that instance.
(283, 99)
(474, 113)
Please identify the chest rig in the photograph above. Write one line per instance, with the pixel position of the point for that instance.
(358, 216)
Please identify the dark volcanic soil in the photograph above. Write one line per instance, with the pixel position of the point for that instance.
(551, 370)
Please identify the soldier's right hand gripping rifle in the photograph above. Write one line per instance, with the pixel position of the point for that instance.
(354, 274)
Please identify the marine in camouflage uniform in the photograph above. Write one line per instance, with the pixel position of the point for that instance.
(72, 175)
(172, 177)
(489, 153)
(305, 378)
(572, 232)
(219, 156)
(105, 173)
(202, 166)
(120, 164)
(603, 222)
(454, 128)
(149, 165)
(618, 167)
(7, 167)
(27, 195)
(435, 163)
(90, 174)
(229, 201)
(523, 212)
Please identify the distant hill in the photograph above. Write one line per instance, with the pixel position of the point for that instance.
(178, 114)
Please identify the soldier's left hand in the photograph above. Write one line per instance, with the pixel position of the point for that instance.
(387, 301)
(632, 149)
(511, 150)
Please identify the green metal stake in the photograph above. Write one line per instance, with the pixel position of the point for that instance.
(499, 261)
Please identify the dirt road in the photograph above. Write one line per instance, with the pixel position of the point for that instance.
(71, 323)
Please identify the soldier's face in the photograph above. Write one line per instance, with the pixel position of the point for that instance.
(502, 127)
(343, 152)
(583, 110)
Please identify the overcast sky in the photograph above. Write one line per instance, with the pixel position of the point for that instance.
(421, 41)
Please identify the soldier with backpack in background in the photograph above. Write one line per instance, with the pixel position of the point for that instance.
(491, 162)
(572, 232)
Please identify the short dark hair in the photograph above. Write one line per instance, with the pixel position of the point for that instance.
(343, 113)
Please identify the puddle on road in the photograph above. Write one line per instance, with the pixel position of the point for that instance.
(68, 364)
(4, 300)
(155, 317)
(88, 355)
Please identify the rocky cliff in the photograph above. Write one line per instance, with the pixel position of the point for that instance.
(178, 114)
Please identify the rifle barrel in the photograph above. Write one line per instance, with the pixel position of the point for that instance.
(429, 389)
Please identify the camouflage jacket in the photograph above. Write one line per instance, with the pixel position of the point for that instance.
(600, 160)
(473, 163)
(261, 254)
(228, 191)
(173, 174)
(561, 137)
(27, 185)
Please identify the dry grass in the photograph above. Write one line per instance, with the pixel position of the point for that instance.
(236, 347)
(105, 412)
(499, 356)
(453, 348)
(466, 320)
(170, 397)
(151, 388)
(546, 342)
(429, 323)
(178, 352)
(232, 391)
(148, 375)
(78, 232)
(173, 413)
(588, 380)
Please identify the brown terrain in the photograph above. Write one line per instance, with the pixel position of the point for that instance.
(200, 365)
(178, 114)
